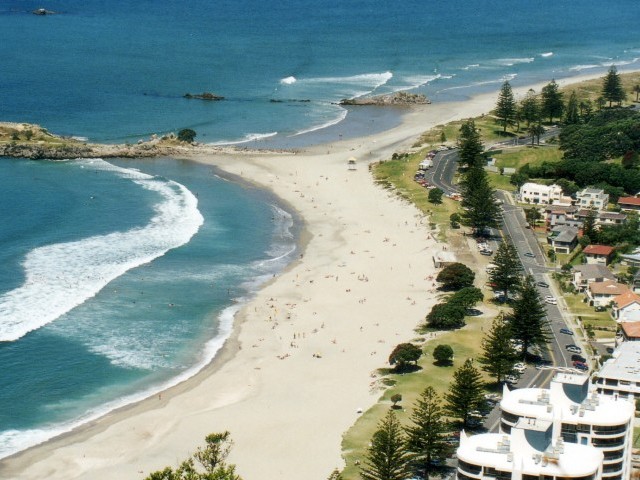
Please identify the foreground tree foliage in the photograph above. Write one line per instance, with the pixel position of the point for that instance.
(465, 393)
(528, 323)
(405, 355)
(387, 457)
(208, 463)
(498, 352)
(456, 276)
(425, 434)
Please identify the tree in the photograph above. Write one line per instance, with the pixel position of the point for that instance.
(552, 105)
(506, 106)
(466, 297)
(612, 90)
(425, 434)
(505, 276)
(455, 220)
(403, 355)
(186, 135)
(387, 457)
(478, 200)
(532, 215)
(636, 90)
(465, 393)
(498, 353)
(395, 398)
(535, 130)
(572, 113)
(529, 108)
(443, 354)
(446, 317)
(456, 276)
(435, 195)
(528, 322)
(470, 147)
(589, 226)
(211, 462)
(586, 110)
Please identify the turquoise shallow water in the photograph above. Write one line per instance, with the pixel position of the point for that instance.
(122, 277)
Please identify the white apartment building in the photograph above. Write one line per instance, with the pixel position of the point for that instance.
(579, 415)
(592, 198)
(543, 194)
(529, 452)
(620, 375)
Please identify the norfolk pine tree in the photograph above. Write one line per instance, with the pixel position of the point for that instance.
(505, 277)
(387, 457)
(469, 145)
(498, 353)
(552, 105)
(529, 108)
(506, 106)
(425, 435)
(572, 114)
(465, 393)
(528, 322)
(612, 90)
(478, 200)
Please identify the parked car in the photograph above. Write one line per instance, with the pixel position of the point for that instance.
(530, 255)
(550, 300)
(520, 367)
(578, 358)
(573, 348)
(577, 363)
(511, 379)
(566, 331)
(582, 367)
(473, 312)
(486, 253)
(599, 308)
(543, 284)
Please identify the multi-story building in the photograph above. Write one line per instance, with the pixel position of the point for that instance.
(620, 375)
(529, 452)
(541, 194)
(592, 198)
(577, 415)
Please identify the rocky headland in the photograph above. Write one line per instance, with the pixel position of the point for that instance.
(204, 96)
(396, 99)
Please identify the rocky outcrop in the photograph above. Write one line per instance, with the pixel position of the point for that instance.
(204, 96)
(42, 11)
(398, 99)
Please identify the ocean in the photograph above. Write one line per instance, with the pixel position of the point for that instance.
(122, 277)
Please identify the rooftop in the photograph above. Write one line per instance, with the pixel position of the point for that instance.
(631, 329)
(626, 299)
(594, 271)
(598, 250)
(625, 364)
(608, 287)
(629, 201)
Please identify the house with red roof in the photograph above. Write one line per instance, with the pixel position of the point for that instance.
(598, 254)
(600, 294)
(630, 331)
(629, 204)
(626, 307)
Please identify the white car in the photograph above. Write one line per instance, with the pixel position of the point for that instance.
(520, 367)
(550, 300)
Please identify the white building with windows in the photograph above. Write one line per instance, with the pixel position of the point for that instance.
(578, 414)
(542, 194)
(620, 375)
(592, 198)
(529, 452)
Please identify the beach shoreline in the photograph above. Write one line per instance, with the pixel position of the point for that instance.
(362, 278)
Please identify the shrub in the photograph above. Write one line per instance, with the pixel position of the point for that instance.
(443, 354)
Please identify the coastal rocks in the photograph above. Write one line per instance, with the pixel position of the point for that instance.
(42, 11)
(397, 99)
(204, 96)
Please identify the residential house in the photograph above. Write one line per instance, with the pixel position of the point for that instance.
(632, 259)
(601, 254)
(629, 204)
(601, 294)
(611, 218)
(536, 193)
(563, 239)
(630, 331)
(620, 375)
(592, 198)
(583, 275)
(636, 282)
(623, 305)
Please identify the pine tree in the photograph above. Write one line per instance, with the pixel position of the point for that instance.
(498, 353)
(469, 145)
(478, 200)
(552, 105)
(387, 457)
(506, 106)
(465, 393)
(506, 274)
(572, 114)
(612, 90)
(589, 226)
(529, 108)
(528, 322)
(425, 434)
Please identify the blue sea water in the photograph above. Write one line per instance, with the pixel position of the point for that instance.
(120, 277)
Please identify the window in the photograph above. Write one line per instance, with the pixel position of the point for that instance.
(614, 467)
(609, 429)
(510, 417)
(583, 428)
(469, 467)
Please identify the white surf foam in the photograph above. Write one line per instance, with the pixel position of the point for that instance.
(61, 276)
(508, 62)
(342, 114)
(546, 54)
(288, 80)
(251, 137)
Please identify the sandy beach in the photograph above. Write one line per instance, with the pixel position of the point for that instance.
(300, 364)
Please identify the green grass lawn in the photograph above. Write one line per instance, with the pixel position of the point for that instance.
(518, 156)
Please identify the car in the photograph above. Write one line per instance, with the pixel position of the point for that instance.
(550, 300)
(520, 367)
(543, 284)
(599, 308)
(473, 312)
(486, 253)
(577, 363)
(511, 379)
(530, 255)
(566, 331)
(578, 358)
(573, 348)
(582, 367)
